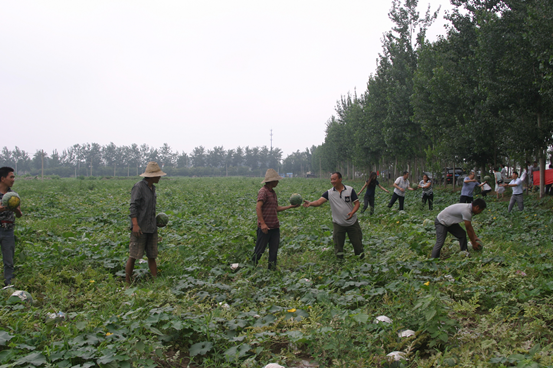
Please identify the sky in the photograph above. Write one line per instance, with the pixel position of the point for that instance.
(186, 73)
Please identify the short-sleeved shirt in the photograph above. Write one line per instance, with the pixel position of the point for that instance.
(371, 188)
(7, 216)
(427, 190)
(269, 207)
(403, 184)
(143, 206)
(342, 203)
(468, 188)
(455, 214)
(518, 188)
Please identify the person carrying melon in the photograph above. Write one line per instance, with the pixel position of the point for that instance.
(371, 185)
(448, 221)
(343, 203)
(7, 223)
(268, 226)
(143, 226)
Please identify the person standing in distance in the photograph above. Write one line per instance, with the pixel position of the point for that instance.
(468, 188)
(344, 204)
(143, 221)
(400, 185)
(371, 185)
(268, 226)
(517, 196)
(7, 223)
(448, 221)
(427, 194)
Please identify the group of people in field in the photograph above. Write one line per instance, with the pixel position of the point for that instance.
(344, 204)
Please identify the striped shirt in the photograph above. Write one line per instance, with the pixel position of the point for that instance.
(143, 206)
(7, 215)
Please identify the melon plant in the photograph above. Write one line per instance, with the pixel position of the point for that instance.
(11, 200)
(162, 219)
(295, 199)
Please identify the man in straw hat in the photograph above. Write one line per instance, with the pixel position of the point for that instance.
(268, 227)
(143, 220)
(343, 204)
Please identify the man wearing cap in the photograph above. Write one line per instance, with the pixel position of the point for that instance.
(143, 220)
(7, 223)
(268, 227)
(343, 203)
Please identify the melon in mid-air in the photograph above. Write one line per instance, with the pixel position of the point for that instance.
(11, 200)
(295, 199)
(415, 185)
(487, 178)
(162, 219)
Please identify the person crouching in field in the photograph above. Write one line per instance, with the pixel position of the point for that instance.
(343, 203)
(143, 220)
(448, 221)
(371, 185)
(268, 226)
(517, 196)
(400, 185)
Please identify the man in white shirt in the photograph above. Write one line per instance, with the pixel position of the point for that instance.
(400, 186)
(343, 203)
(448, 221)
(517, 196)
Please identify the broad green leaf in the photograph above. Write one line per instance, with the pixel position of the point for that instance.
(4, 337)
(200, 348)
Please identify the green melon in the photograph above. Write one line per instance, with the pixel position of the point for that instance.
(11, 200)
(162, 219)
(427, 222)
(295, 199)
(480, 245)
(487, 178)
(415, 185)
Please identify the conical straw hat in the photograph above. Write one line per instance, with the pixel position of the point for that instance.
(153, 170)
(271, 175)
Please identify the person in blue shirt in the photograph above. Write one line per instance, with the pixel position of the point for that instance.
(516, 184)
(468, 188)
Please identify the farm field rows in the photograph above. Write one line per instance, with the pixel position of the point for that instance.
(493, 309)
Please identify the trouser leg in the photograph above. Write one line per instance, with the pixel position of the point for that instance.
(520, 202)
(339, 237)
(365, 204)
(457, 231)
(260, 245)
(441, 233)
(371, 203)
(511, 203)
(401, 201)
(431, 201)
(274, 241)
(355, 235)
(8, 251)
(393, 200)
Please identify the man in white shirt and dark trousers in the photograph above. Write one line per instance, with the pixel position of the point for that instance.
(448, 221)
(343, 203)
(400, 186)
(517, 196)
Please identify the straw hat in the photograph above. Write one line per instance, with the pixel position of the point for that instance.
(271, 175)
(153, 170)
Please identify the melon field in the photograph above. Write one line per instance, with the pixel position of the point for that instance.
(209, 307)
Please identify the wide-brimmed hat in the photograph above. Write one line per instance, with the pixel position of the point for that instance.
(153, 170)
(271, 175)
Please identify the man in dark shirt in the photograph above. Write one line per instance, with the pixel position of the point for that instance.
(268, 227)
(143, 220)
(7, 223)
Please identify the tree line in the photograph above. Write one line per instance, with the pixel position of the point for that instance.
(479, 96)
(93, 159)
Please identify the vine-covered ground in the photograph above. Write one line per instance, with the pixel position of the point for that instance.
(493, 309)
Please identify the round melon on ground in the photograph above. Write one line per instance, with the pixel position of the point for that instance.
(162, 219)
(11, 200)
(295, 199)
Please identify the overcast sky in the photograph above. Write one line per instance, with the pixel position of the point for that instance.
(186, 73)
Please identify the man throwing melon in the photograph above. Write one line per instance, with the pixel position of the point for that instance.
(448, 221)
(7, 223)
(143, 220)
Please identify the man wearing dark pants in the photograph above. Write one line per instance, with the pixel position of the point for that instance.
(448, 221)
(268, 227)
(400, 186)
(343, 203)
(7, 223)
(516, 183)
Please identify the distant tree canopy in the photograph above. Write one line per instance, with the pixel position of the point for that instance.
(92, 159)
(479, 96)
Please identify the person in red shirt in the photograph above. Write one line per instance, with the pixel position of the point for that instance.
(268, 227)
